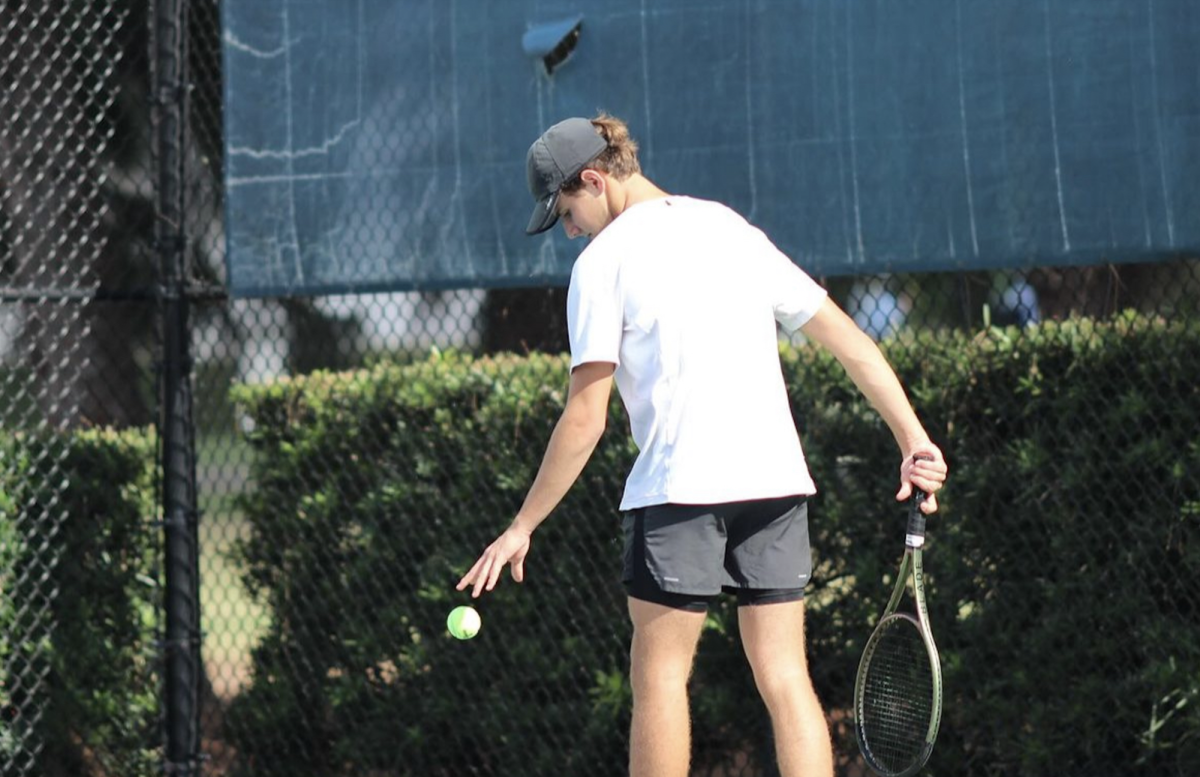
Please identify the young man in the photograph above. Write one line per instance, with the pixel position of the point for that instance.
(678, 300)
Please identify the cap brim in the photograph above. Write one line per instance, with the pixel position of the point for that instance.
(545, 214)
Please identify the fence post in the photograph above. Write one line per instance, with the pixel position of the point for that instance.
(181, 554)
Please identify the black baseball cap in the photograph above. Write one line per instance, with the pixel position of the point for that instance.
(555, 158)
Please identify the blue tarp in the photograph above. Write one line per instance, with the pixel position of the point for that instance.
(379, 145)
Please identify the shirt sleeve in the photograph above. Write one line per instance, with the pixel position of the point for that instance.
(795, 296)
(594, 311)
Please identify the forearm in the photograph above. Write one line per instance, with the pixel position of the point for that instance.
(866, 366)
(877, 381)
(870, 371)
(571, 445)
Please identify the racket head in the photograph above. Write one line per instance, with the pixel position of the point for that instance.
(898, 697)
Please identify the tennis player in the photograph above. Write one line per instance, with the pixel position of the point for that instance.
(678, 300)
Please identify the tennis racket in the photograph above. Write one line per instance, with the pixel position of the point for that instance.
(898, 693)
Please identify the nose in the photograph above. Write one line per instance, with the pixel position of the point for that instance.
(571, 230)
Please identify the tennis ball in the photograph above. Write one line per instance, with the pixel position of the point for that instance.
(464, 622)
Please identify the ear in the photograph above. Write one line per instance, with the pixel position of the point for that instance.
(594, 180)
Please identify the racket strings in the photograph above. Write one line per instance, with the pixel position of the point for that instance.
(897, 698)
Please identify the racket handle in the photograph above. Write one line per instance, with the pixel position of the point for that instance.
(916, 520)
(915, 533)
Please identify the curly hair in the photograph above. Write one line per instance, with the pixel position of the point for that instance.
(618, 160)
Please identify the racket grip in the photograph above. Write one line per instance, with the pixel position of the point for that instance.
(916, 518)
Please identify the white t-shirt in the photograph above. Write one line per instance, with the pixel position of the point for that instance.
(683, 296)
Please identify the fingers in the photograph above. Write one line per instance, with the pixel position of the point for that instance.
(486, 571)
(928, 506)
(926, 483)
(924, 469)
(475, 573)
(480, 573)
(493, 577)
(466, 579)
(930, 483)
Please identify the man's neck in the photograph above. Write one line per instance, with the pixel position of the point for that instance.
(633, 190)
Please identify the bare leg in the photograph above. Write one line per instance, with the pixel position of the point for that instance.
(664, 644)
(773, 637)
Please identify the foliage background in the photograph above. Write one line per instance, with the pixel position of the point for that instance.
(1044, 570)
(89, 589)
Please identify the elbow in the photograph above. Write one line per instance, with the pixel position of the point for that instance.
(594, 429)
(587, 428)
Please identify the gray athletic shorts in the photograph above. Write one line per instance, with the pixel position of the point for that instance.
(683, 556)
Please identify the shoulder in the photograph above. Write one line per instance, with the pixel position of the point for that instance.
(598, 263)
(706, 208)
(710, 217)
(625, 236)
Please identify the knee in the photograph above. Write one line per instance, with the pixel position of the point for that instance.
(658, 676)
(783, 685)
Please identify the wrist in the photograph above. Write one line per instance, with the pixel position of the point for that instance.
(524, 524)
(910, 445)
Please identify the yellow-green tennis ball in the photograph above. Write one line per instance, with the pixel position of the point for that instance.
(464, 622)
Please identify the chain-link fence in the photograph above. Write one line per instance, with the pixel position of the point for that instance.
(152, 424)
(78, 591)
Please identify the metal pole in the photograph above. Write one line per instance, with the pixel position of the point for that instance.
(181, 556)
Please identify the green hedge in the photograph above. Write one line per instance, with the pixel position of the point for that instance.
(1063, 573)
(78, 689)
